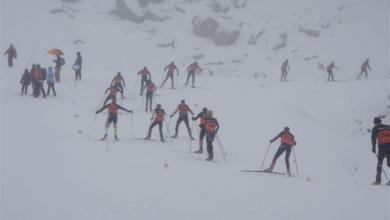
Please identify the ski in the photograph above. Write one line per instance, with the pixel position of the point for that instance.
(262, 171)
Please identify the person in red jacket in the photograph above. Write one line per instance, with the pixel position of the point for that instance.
(150, 89)
(287, 141)
(145, 75)
(159, 117)
(191, 69)
(183, 110)
(381, 134)
(119, 82)
(212, 127)
(202, 125)
(171, 69)
(364, 69)
(111, 91)
(112, 117)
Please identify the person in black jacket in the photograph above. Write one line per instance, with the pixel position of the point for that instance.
(77, 66)
(11, 52)
(159, 117)
(25, 81)
(287, 141)
(183, 110)
(381, 134)
(202, 125)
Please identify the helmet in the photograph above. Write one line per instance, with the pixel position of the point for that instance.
(182, 101)
(210, 113)
(377, 120)
(204, 109)
(286, 129)
(158, 106)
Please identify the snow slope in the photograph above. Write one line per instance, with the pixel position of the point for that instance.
(52, 167)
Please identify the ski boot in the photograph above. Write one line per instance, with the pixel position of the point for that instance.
(116, 137)
(269, 169)
(174, 136)
(388, 183)
(103, 138)
(199, 151)
(191, 138)
(289, 173)
(147, 138)
(377, 183)
(210, 157)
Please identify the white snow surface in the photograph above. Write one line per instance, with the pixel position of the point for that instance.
(52, 167)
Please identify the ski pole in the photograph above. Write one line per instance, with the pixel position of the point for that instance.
(135, 85)
(132, 126)
(93, 123)
(223, 152)
(265, 156)
(295, 160)
(167, 125)
(32, 55)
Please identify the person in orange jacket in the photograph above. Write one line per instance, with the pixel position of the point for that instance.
(150, 89)
(287, 141)
(212, 127)
(191, 69)
(171, 69)
(381, 134)
(202, 125)
(145, 75)
(158, 118)
(183, 110)
(112, 117)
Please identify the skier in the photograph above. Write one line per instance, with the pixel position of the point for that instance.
(183, 110)
(25, 81)
(191, 69)
(77, 66)
(50, 81)
(118, 82)
(287, 142)
(158, 116)
(34, 79)
(11, 52)
(364, 69)
(381, 133)
(150, 89)
(171, 69)
(112, 91)
(59, 61)
(112, 117)
(212, 128)
(42, 78)
(285, 67)
(145, 75)
(202, 124)
(329, 69)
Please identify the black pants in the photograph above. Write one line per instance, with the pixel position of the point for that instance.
(284, 75)
(169, 75)
(24, 88)
(282, 148)
(10, 61)
(160, 125)
(361, 73)
(330, 76)
(51, 87)
(149, 100)
(78, 75)
(179, 120)
(143, 85)
(202, 134)
(384, 152)
(209, 141)
(39, 89)
(191, 73)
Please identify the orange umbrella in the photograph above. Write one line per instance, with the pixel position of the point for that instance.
(55, 52)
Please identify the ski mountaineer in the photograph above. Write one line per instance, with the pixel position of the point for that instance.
(191, 69)
(287, 142)
(77, 66)
(285, 68)
(145, 75)
(150, 89)
(212, 128)
(25, 81)
(381, 133)
(329, 69)
(119, 82)
(183, 110)
(171, 69)
(202, 125)
(112, 117)
(59, 61)
(112, 91)
(11, 52)
(159, 117)
(364, 69)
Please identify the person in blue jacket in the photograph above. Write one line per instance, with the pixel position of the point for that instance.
(50, 81)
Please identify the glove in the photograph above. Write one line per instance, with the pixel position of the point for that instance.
(270, 141)
(131, 111)
(171, 116)
(193, 118)
(97, 112)
(374, 150)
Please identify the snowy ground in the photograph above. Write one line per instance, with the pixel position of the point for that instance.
(52, 167)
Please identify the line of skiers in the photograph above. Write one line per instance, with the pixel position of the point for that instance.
(285, 68)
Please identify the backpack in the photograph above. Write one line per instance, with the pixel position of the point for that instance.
(62, 61)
